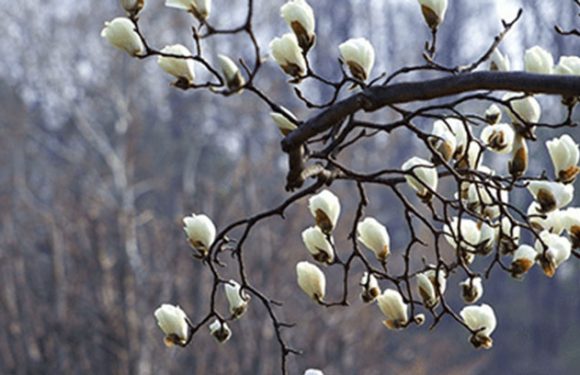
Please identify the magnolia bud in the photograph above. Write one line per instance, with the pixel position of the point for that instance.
(359, 55)
(237, 299)
(173, 322)
(552, 221)
(370, 288)
(180, 68)
(499, 62)
(538, 60)
(551, 195)
(498, 138)
(482, 321)
(518, 165)
(395, 310)
(419, 319)
(132, 7)
(199, 8)
(443, 140)
(121, 33)
(312, 371)
(286, 124)
(422, 177)
(508, 236)
(470, 237)
(325, 208)
(565, 155)
(232, 74)
(200, 232)
(527, 108)
(558, 250)
(288, 55)
(568, 65)
(523, 260)
(471, 289)
(433, 12)
(374, 236)
(220, 331)
(427, 283)
(570, 220)
(493, 114)
(312, 280)
(300, 17)
(318, 245)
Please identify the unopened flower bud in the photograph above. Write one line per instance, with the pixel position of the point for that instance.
(173, 322)
(482, 321)
(121, 33)
(220, 331)
(395, 310)
(300, 17)
(359, 55)
(325, 208)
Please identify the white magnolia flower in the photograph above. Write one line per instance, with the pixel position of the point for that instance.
(286, 124)
(173, 322)
(395, 310)
(237, 299)
(518, 165)
(568, 65)
(493, 114)
(200, 232)
(551, 221)
(287, 53)
(312, 280)
(471, 289)
(427, 283)
(538, 60)
(460, 131)
(318, 245)
(231, 72)
(470, 233)
(565, 156)
(481, 320)
(370, 288)
(325, 208)
(199, 8)
(359, 55)
(374, 236)
(486, 239)
(443, 140)
(424, 176)
(471, 159)
(121, 33)
(508, 236)
(132, 7)
(527, 108)
(571, 222)
(499, 138)
(558, 250)
(300, 17)
(551, 195)
(523, 260)
(483, 196)
(312, 371)
(220, 331)
(180, 68)
(499, 62)
(433, 11)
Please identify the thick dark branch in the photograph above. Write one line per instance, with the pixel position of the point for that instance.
(374, 98)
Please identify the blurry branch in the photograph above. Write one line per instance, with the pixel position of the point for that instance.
(573, 32)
